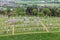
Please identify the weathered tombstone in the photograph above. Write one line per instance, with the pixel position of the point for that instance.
(39, 29)
(7, 31)
(11, 21)
(29, 29)
(51, 24)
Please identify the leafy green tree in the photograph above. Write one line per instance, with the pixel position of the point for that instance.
(53, 11)
(46, 11)
(57, 12)
(34, 11)
(19, 11)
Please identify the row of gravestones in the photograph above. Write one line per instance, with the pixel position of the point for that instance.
(30, 29)
(28, 21)
(52, 24)
(36, 29)
(28, 24)
(32, 21)
(32, 24)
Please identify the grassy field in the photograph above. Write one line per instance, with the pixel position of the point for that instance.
(38, 36)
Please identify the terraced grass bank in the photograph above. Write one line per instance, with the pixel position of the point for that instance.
(41, 36)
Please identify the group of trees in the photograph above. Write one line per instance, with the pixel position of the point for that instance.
(44, 11)
(50, 11)
(33, 10)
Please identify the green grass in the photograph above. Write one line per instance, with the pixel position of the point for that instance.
(38, 36)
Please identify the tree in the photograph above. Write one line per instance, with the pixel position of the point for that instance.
(57, 12)
(46, 11)
(29, 10)
(35, 11)
(53, 11)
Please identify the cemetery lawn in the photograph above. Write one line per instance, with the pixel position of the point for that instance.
(52, 23)
(36, 36)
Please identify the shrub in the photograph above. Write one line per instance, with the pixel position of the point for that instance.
(40, 14)
(22, 13)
